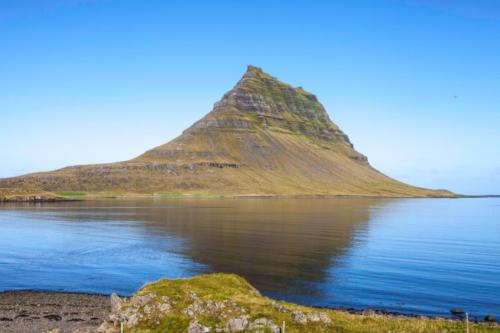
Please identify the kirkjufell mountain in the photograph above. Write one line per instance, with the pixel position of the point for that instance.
(264, 137)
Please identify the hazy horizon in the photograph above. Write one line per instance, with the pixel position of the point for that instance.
(413, 83)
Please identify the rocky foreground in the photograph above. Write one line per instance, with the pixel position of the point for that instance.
(207, 303)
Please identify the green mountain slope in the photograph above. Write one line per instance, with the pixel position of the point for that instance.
(264, 137)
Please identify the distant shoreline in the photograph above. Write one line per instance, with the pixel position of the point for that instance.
(87, 197)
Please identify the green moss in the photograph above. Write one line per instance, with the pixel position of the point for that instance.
(171, 194)
(71, 194)
(173, 324)
(223, 287)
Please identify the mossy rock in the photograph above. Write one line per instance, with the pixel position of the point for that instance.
(228, 303)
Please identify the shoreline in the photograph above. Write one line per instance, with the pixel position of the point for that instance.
(104, 300)
(26, 311)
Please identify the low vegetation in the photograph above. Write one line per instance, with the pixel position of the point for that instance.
(227, 303)
(70, 194)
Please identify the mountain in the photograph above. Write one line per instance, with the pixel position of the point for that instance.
(264, 137)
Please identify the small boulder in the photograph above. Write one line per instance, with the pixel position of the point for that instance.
(324, 318)
(130, 316)
(299, 317)
(106, 327)
(279, 307)
(148, 309)
(237, 324)
(457, 312)
(141, 300)
(194, 308)
(490, 319)
(164, 307)
(369, 313)
(116, 303)
(313, 317)
(195, 327)
(264, 325)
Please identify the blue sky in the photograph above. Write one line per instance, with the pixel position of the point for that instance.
(415, 84)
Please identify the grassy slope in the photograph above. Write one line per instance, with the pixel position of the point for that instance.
(220, 287)
(284, 164)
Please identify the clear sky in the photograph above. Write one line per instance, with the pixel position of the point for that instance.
(414, 83)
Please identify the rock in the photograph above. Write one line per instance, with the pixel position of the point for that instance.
(368, 313)
(263, 325)
(166, 299)
(319, 317)
(237, 324)
(135, 309)
(53, 317)
(457, 312)
(490, 319)
(193, 295)
(195, 327)
(164, 307)
(299, 317)
(54, 330)
(116, 303)
(194, 308)
(148, 309)
(279, 307)
(222, 123)
(115, 317)
(314, 317)
(139, 307)
(141, 300)
(209, 308)
(106, 327)
(131, 317)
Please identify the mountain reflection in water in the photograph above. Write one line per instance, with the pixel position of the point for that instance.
(314, 251)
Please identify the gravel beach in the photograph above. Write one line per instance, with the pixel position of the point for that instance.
(40, 312)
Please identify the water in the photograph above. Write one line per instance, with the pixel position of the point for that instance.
(422, 256)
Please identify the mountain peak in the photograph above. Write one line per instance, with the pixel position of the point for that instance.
(261, 101)
(255, 77)
(262, 93)
(254, 69)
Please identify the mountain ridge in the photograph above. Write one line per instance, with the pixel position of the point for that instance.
(264, 137)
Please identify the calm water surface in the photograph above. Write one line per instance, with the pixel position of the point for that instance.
(421, 256)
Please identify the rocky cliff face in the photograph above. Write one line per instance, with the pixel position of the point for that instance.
(264, 137)
(274, 105)
(260, 102)
(261, 93)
